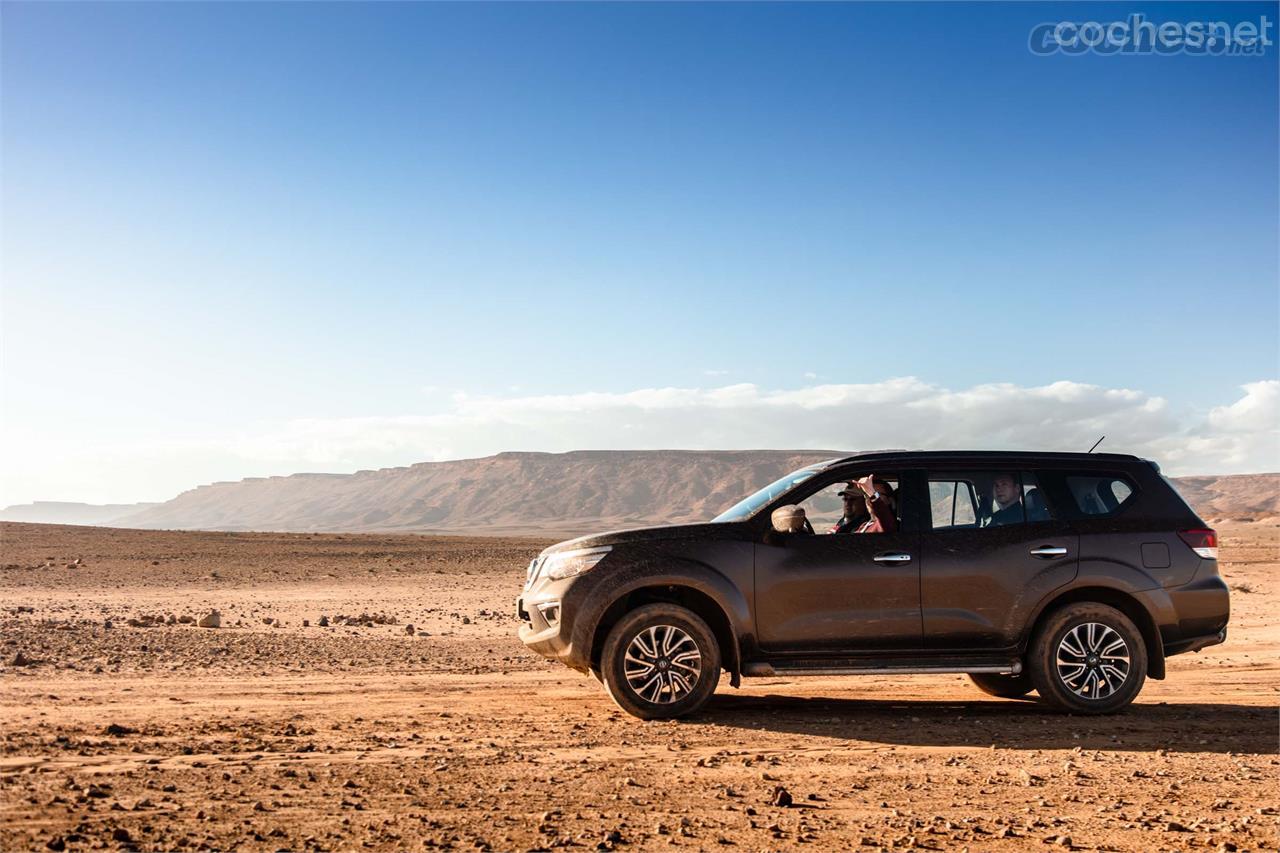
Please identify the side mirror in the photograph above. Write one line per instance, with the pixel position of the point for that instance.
(788, 519)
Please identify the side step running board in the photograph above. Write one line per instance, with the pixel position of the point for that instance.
(768, 670)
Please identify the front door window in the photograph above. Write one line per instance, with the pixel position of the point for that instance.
(841, 507)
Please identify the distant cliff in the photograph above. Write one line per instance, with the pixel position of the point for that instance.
(538, 492)
(67, 512)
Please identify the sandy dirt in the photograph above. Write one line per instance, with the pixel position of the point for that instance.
(285, 736)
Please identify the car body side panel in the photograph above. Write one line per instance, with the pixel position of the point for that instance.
(826, 593)
(1151, 549)
(979, 586)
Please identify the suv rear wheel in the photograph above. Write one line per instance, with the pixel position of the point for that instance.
(660, 661)
(1088, 658)
(1004, 686)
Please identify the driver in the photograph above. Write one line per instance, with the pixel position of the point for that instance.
(855, 510)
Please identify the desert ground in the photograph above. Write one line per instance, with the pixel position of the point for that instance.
(124, 726)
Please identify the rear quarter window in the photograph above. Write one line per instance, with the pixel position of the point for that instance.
(1100, 494)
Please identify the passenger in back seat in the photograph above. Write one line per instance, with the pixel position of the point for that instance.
(1008, 495)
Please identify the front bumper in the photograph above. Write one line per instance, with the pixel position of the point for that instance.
(546, 613)
(540, 631)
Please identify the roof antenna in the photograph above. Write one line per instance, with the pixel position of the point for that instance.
(1095, 444)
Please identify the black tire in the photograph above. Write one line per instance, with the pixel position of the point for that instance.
(676, 693)
(1088, 665)
(1004, 686)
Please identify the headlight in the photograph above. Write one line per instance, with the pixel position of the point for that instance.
(566, 564)
(532, 572)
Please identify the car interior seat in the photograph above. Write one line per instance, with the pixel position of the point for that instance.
(1036, 509)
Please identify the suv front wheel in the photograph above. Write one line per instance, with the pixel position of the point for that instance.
(1088, 658)
(660, 661)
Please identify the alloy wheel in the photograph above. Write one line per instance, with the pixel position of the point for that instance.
(1093, 660)
(663, 664)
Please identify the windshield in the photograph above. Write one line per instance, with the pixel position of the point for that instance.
(748, 507)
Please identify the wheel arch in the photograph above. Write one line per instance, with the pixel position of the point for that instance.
(1121, 600)
(703, 591)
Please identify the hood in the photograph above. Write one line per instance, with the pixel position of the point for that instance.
(707, 531)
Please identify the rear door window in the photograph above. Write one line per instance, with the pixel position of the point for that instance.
(980, 499)
(953, 504)
(1100, 494)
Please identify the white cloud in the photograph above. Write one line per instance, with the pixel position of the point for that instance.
(1244, 436)
(900, 412)
(1258, 410)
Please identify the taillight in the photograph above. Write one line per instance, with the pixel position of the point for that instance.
(1203, 542)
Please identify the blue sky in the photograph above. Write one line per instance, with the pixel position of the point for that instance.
(223, 221)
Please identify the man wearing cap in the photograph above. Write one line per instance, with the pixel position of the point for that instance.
(855, 510)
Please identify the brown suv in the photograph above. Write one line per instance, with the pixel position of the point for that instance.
(1073, 575)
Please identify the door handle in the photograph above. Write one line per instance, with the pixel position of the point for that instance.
(892, 557)
(1049, 551)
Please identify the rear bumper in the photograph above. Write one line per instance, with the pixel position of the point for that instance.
(1195, 644)
(1202, 608)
